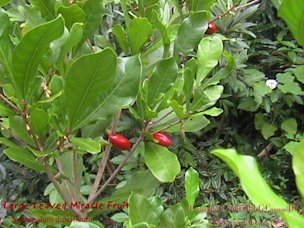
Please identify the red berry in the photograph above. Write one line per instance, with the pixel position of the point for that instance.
(163, 139)
(212, 28)
(120, 141)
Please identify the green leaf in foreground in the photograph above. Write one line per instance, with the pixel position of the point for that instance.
(256, 187)
(162, 163)
(297, 165)
(192, 185)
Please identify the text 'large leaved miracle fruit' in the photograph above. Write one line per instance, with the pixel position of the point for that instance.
(163, 139)
(120, 142)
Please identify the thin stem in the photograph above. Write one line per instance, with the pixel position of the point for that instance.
(152, 124)
(104, 160)
(10, 103)
(117, 170)
(75, 177)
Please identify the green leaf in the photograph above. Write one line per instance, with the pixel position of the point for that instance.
(299, 73)
(18, 126)
(209, 52)
(277, 3)
(297, 166)
(192, 182)
(87, 144)
(29, 53)
(268, 130)
(73, 39)
(94, 11)
(72, 14)
(39, 121)
(4, 2)
(290, 126)
(162, 79)
(214, 111)
(246, 168)
(139, 33)
(45, 7)
(124, 92)
(141, 210)
(200, 5)
(76, 224)
(86, 80)
(25, 158)
(121, 37)
(163, 164)
(196, 25)
(173, 217)
(292, 12)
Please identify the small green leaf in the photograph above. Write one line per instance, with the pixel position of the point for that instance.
(297, 166)
(121, 37)
(45, 7)
(268, 130)
(25, 158)
(192, 182)
(299, 73)
(210, 50)
(72, 14)
(87, 144)
(39, 121)
(139, 33)
(173, 217)
(290, 126)
(214, 111)
(163, 164)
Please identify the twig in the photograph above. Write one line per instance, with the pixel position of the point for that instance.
(10, 103)
(265, 151)
(152, 124)
(104, 160)
(65, 197)
(75, 177)
(117, 170)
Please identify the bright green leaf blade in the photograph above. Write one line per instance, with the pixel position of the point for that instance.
(139, 32)
(29, 53)
(25, 158)
(199, 5)
(18, 126)
(4, 2)
(45, 7)
(192, 182)
(299, 73)
(124, 92)
(297, 165)
(141, 210)
(191, 31)
(39, 121)
(246, 168)
(162, 79)
(72, 14)
(290, 126)
(87, 144)
(163, 164)
(89, 77)
(173, 217)
(210, 50)
(292, 12)
(120, 35)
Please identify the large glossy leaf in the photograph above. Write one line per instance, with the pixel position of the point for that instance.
(123, 93)
(25, 158)
(89, 77)
(163, 163)
(46, 8)
(29, 53)
(297, 165)
(292, 12)
(141, 210)
(162, 79)
(255, 186)
(209, 52)
(191, 31)
(139, 32)
(192, 182)
(72, 14)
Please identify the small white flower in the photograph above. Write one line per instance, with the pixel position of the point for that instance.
(271, 83)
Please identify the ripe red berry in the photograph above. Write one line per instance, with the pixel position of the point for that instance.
(212, 28)
(163, 139)
(120, 141)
